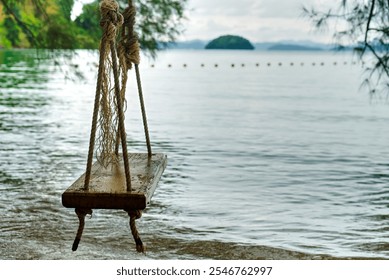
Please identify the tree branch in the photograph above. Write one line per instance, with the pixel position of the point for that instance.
(383, 64)
(368, 24)
(23, 26)
(40, 6)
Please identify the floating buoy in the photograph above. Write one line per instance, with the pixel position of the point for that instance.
(232, 65)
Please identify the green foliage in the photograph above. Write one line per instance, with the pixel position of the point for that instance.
(158, 22)
(230, 42)
(66, 7)
(4, 42)
(27, 17)
(88, 23)
(49, 26)
(366, 26)
(59, 34)
(12, 31)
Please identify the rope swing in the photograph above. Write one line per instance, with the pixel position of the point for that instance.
(103, 185)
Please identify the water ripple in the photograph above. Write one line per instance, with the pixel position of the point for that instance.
(261, 164)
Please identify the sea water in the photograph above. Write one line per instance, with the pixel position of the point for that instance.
(270, 155)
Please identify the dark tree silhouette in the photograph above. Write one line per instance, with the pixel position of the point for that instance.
(366, 27)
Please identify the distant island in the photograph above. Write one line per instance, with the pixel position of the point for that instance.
(284, 45)
(290, 47)
(229, 42)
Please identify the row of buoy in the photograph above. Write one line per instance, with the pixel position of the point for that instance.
(232, 65)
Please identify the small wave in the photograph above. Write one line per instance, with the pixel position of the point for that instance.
(187, 249)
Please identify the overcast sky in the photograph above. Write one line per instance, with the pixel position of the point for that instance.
(256, 20)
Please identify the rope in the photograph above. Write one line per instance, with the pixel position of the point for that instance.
(121, 117)
(128, 50)
(128, 47)
(108, 98)
(143, 109)
(128, 54)
(111, 19)
(134, 215)
(81, 213)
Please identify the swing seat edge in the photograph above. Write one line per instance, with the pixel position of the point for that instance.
(107, 187)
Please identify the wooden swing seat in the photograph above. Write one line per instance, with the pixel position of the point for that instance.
(108, 189)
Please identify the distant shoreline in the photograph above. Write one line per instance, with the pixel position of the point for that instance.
(267, 46)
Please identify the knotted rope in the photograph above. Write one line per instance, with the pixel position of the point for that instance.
(109, 100)
(134, 215)
(111, 21)
(128, 48)
(81, 213)
(128, 52)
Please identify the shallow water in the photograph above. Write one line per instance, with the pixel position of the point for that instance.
(280, 161)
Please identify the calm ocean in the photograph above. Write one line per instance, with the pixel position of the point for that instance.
(275, 155)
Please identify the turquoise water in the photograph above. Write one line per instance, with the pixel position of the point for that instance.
(287, 160)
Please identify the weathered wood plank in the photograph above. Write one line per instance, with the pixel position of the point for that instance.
(108, 190)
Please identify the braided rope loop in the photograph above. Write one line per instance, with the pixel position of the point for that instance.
(81, 213)
(134, 215)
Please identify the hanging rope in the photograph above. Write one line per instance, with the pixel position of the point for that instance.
(81, 213)
(128, 50)
(128, 53)
(128, 47)
(110, 100)
(134, 215)
(111, 20)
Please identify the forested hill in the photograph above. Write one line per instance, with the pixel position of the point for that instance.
(48, 24)
(27, 23)
(231, 42)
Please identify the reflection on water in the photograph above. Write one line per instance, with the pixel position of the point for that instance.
(269, 162)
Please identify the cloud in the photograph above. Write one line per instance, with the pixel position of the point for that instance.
(227, 8)
(251, 18)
